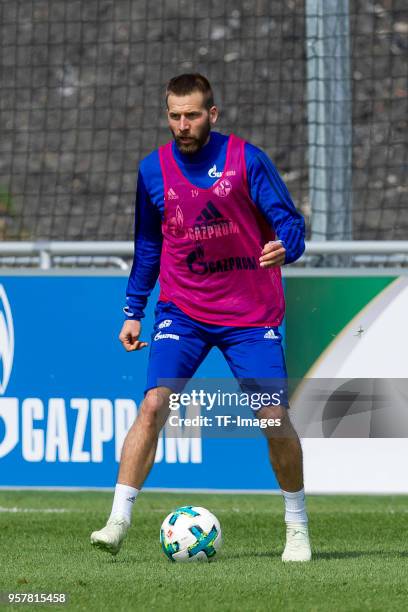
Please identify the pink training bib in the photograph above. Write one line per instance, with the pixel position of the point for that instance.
(212, 241)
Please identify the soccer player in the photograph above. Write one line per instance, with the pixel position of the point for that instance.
(214, 218)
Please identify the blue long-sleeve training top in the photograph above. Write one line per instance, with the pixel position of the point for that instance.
(267, 190)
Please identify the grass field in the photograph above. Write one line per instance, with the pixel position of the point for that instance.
(360, 554)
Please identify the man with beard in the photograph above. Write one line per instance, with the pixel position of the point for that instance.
(209, 209)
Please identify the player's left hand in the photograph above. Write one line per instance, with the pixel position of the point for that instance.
(273, 255)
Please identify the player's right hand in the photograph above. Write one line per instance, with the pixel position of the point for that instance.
(129, 336)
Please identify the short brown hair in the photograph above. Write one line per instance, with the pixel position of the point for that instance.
(185, 84)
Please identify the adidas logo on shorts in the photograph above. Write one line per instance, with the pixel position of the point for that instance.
(271, 334)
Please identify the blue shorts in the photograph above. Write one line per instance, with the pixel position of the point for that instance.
(179, 344)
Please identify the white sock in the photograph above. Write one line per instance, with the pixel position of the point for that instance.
(123, 501)
(295, 508)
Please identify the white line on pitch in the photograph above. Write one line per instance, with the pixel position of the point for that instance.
(42, 510)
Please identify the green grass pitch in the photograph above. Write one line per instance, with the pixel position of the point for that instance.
(360, 560)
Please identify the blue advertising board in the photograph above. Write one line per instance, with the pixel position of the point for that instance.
(69, 393)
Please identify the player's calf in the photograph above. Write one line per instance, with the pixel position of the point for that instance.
(136, 461)
(285, 454)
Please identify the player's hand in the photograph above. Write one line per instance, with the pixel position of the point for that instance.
(129, 336)
(273, 255)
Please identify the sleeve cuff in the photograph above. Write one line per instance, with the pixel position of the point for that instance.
(134, 316)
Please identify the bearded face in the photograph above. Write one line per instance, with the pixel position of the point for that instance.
(189, 143)
(190, 121)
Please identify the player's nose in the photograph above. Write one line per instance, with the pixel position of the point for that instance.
(184, 124)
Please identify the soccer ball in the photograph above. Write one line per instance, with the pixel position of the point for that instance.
(191, 533)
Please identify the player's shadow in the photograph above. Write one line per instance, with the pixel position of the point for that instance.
(131, 559)
(124, 559)
(356, 554)
(254, 554)
(347, 554)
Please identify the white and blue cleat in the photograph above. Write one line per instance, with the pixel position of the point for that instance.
(110, 538)
(297, 543)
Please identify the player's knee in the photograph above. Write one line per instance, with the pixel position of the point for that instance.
(152, 407)
(273, 412)
(280, 424)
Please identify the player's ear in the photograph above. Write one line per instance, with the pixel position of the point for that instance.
(213, 114)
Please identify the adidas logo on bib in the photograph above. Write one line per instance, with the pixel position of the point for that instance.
(172, 195)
